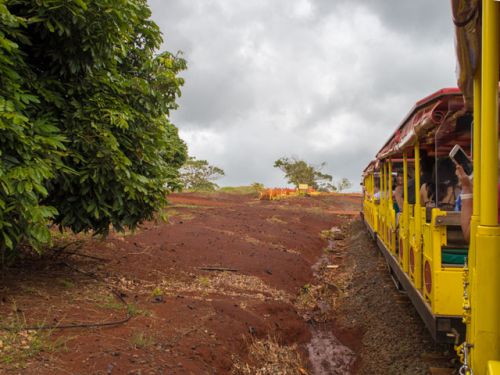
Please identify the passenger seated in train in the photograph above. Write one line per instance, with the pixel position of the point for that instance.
(426, 168)
(426, 172)
(442, 187)
(376, 195)
(398, 193)
(466, 201)
(411, 187)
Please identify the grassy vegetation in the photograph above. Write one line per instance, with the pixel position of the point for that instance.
(134, 310)
(18, 344)
(182, 205)
(275, 220)
(141, 340)
(157, 292)
(247, 189)
(167, 214)
(238, 189)
(68, 284)
(306, 299)
(204, 281)
(111, 303)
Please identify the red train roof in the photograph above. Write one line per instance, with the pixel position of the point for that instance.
(427, 114)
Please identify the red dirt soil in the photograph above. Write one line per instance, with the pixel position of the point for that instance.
(185, 320)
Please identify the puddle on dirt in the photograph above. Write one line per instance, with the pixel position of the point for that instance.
(327, 354)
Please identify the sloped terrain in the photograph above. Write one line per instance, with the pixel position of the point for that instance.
(227, 284)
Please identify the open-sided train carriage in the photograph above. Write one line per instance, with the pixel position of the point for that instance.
(454, 282)
(424, 246)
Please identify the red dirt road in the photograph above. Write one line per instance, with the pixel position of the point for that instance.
(184, 320)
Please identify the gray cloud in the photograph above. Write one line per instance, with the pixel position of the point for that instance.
(424, 18)
(324, 80)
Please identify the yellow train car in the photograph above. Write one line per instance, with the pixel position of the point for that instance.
(448, 260)
(477, 25)
(422, 243)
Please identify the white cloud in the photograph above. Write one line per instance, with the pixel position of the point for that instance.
(302, 9)
(322, 80)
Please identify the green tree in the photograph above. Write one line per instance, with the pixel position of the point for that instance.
(300, 172)
(31, 145)
(199, 175)
(343, 184)
(258, 186)
(84, 106)
(327, 187)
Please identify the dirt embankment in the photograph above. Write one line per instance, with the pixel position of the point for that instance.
(228, 284)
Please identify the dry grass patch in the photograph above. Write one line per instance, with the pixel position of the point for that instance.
(275, 220)
(308, 297)
(316, 302)
(181, 205)
(141, 340)
(187, 217)
(228, 284)
(268, 357)
(253, 240)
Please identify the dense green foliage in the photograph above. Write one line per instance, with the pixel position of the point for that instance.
(199, 175)
(299, 172)
(84, 104)
(30, 143)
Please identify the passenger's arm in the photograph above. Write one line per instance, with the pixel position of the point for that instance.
(466, 212)
(424, 198)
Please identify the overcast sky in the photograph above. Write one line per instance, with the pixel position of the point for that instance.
(321, 80)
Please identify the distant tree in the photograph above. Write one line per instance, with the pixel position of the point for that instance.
(257, 186)
(299, 172)
(199, 175)
(327, 187)
(343, 184)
